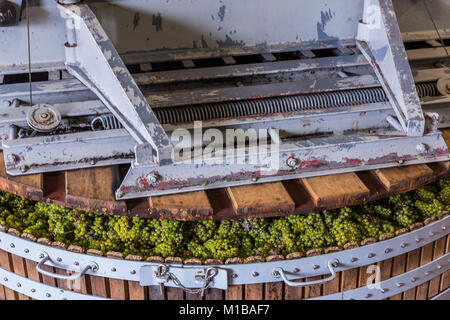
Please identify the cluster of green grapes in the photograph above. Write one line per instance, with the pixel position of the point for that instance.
(224, 239)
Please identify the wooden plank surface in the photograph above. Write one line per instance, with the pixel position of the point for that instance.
(6, 263)
(349, 278)
(333, 285)
(273, 290)
(294, 293)
(335, 189)
(118, 288)
(445, 277)
(94, 189)
(254, 291)
(404, 178)
(438, 251)
(412, 262)
(261, 198)
(99, 285)
(136, 291)
(236, 292)
(426, 256)
(191, 204)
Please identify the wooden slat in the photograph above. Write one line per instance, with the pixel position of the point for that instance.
(349, 278)
(46, 279)
(81, 285)
(412, 262)
(20, 269)
(273, 290)
(254, 291)
(184, 204)
(293, 293)
(385, 269)
(445, 277)
(99, 285)
(30, 186)
(404, 178)
(118, 288)
(333, 285)
(316, 290)
(6, 263)
(136, 291)
(172, 292)
(261, 198)
(234, 292)
(93, 189)
(426, 256)
(438, 251)
(335, 189)
(2, 293)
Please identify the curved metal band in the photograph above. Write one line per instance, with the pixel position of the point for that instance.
(240, 273)
(40, 291)
(395, 285)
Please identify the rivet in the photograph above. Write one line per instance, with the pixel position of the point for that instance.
(401, 161)
(23, 169)
(403, 245)
(418, 239)
(18, 284)
(255, 274)
(384, 290)
(439, 267)
(64, 298)
(413, 279)
(76, 263)
(353, 259)
(5, 279)
(399, 284)
(315, 267)
(48, 295)
(92, 162)
(33, 290)
(371, 255)
(234, 276)
(432, 234)
(427, 273)
(254, 179)
(296, 270)
(12, 245)
(58, 259)
(368, 296)
(444, 228)
(26, 250)
(133, 271)
(41, 256)
(388, 250)
(113, 269)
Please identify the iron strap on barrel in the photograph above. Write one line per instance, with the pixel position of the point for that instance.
(228, 275)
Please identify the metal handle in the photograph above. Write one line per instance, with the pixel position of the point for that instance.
(277, 272)
(46, 257)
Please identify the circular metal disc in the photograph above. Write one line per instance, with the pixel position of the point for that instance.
(43, 118)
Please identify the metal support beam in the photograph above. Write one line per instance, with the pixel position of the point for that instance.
(93, 59)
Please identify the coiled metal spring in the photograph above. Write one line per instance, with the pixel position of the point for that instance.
(106, 122)
(263, 106)
(427, 89)
(275, 105)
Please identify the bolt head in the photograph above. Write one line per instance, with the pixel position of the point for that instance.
(296, 270)
(12, 157)
(255, 274)
(23, 169)
(421, 147)
(292, 162)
